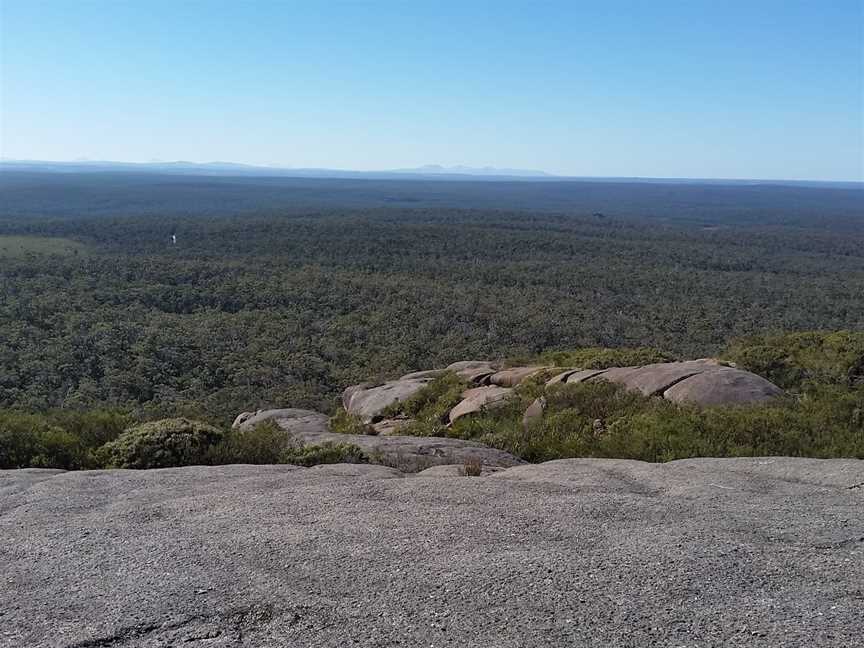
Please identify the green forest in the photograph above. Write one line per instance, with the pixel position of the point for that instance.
(101, 312)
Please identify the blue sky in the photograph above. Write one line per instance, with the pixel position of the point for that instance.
(724, 89)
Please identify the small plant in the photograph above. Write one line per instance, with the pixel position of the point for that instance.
(344, 423)
(429, 407)
(263, 444)
(325, 453)
(472, 468)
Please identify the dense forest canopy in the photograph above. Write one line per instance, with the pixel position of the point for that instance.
(281, 293)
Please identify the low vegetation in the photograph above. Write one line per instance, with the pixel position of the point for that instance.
(823, 372)
(28, 440)
(285, 308)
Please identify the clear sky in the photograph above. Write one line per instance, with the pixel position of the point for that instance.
(690, 88)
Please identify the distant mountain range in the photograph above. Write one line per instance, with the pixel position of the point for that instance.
(233, 168)
(428, 172)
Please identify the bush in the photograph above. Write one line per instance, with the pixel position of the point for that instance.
(430, 406)
(263, 444)
(162, 444)
(325, 453)
(344, 423)
(603, 358)
(31, 440)
(801, 361)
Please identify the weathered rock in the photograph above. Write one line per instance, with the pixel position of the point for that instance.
(534, 412)
(598, 427)
(479, 398)
(409, 453)
(349, 392)
(756, 552)
(476, 375)
(289, 419)
(428, 373)
(613, 374)
(702, 382)
(656, 378)
(387, 427)
(369, 403)
(723, 386)
(582, 375)
(561, 377)
(471, 364)
(243, 416)
(513, 376)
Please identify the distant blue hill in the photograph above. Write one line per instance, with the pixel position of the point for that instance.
(428, 172)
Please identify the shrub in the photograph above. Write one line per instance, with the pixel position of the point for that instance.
(325, 453)
(430, 406)
(94, 428)
(344, 423)
(603, 358)
(162, 444)
(472, 468)
(31, 440)
(801, 361)
(263, 444)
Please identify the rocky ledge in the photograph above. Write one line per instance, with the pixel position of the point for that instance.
(701, 552)
(703, 382)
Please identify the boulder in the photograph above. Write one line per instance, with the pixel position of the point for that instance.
(243, 416)
(613, 374)
(656, 378)
(476, 375)
(723, 386)
(428, 373)
(471, 364)
(387, 427)
(289, 419)
(479, 398)
(582, 375)
(408, 453)
(349, 392)
(703, 382)
(535, 411)
(513, 376)
(369, 403)
(561, 377)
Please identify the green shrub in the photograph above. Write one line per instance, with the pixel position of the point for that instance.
(162, 444)
(344, 423)
(263, 444)
(325, 453)
(826, 422)
(32, 440)
(95, 427)
(603, 358)
(802, 361)
(430, 406)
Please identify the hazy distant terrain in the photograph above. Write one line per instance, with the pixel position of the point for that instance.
(121, 193)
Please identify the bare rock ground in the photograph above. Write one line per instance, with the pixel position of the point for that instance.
(704, 552)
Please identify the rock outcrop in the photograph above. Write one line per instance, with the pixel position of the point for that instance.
(407, 453)
(479, 399)
(739, 553)
(369, 403)
(704, 382)
(289, 419)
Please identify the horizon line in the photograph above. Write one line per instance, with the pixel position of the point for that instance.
(427, 171)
